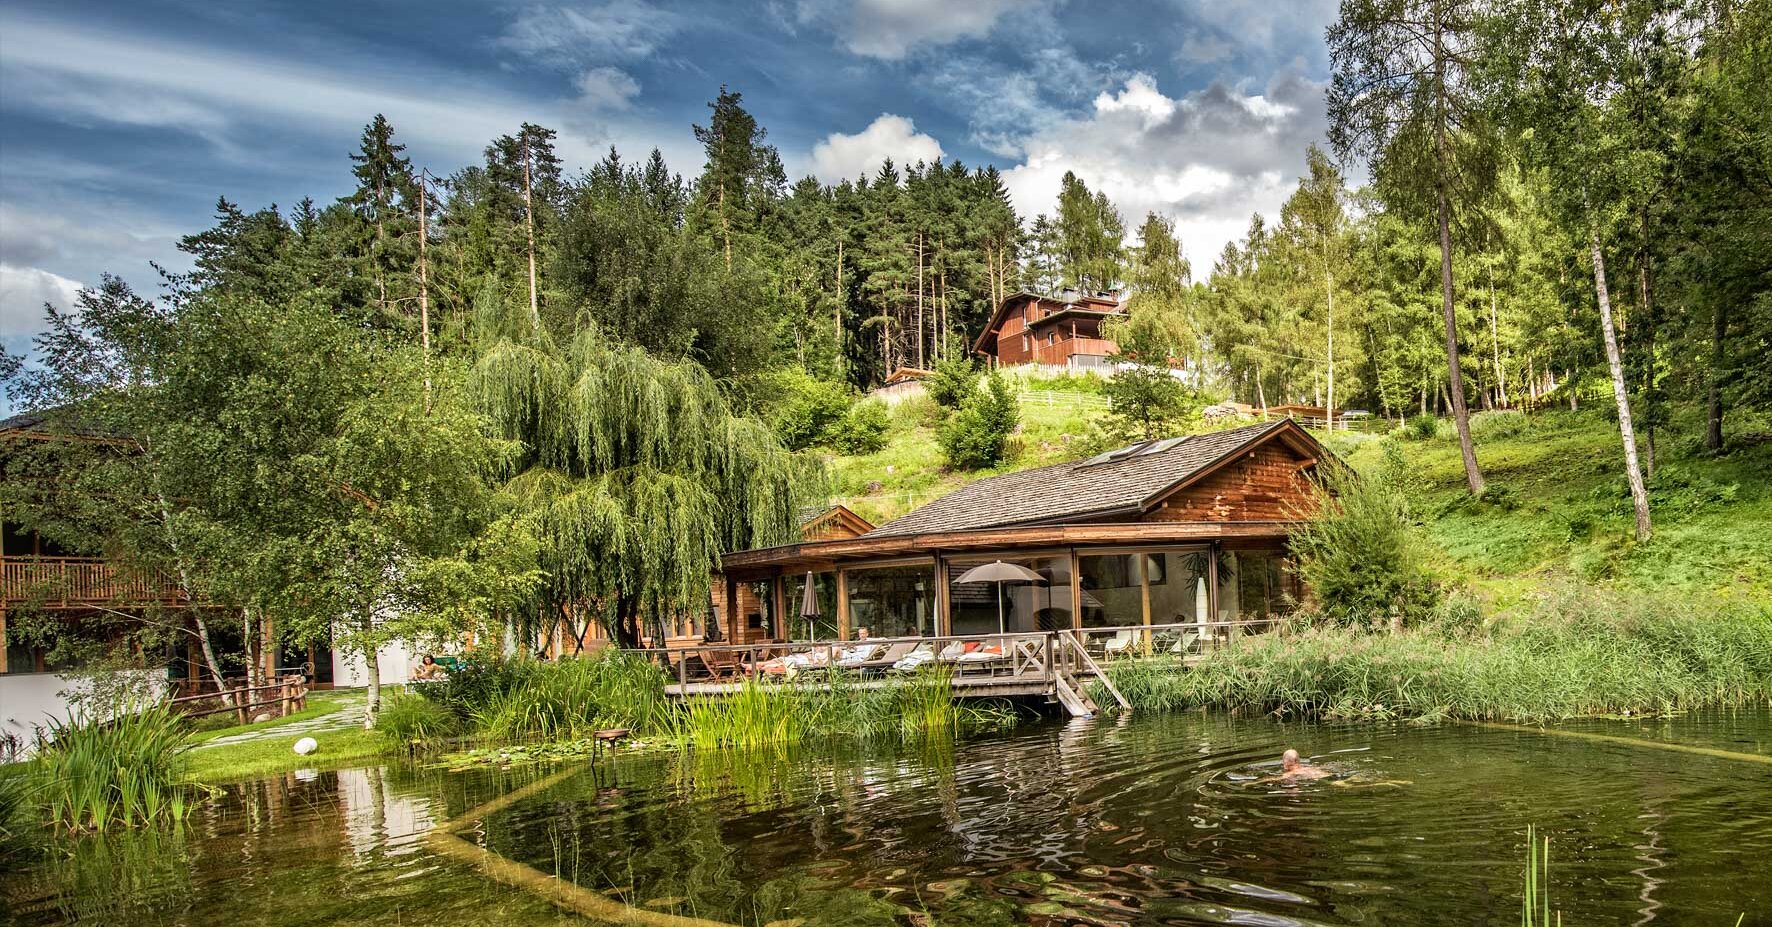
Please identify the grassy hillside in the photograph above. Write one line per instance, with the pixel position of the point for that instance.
(1559, 506)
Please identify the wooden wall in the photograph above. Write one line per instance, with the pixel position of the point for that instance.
(1270, 483)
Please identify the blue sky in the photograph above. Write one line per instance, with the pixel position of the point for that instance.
(120, 123)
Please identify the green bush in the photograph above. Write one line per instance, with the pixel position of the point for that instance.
(14, 824)
(1146, 402)
(804, 408)
(1420, 427)
(977, 435)
(953, 382)
(409, 718)
(862, 429)
(115, 766)
(476, 681)
(1498, 424)
(1361, 553)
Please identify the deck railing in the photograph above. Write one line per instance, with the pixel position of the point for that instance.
(973, 659)
(72, 581)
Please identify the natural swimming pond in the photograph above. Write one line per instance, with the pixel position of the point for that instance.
(1160, 819)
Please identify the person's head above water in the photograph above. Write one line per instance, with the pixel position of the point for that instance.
(1289, 761)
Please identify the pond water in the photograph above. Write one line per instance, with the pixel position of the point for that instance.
(1160, 819)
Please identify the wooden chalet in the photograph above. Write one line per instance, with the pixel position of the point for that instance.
(1189, 529)
(1063, 331)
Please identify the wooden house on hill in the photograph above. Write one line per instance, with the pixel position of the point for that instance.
(1064, 330)
(1183, 529)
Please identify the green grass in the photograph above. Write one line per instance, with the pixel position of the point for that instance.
(1558, 504)
(255, 759)
(909, 470)
(320, 703)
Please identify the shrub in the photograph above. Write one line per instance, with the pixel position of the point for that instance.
(1499, 423)
(1420, 427)
(476, 681)
(1361, 554)
(862, 429)
(117, 766)
(977, 435)
(804, 408)
(953, 382)
(408, 718)
(14, 796)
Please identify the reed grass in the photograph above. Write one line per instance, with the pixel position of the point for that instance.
(1535, 909)
(119, 767)
(409, 718)
(1580, 653)
(771, 713)
(573, 698)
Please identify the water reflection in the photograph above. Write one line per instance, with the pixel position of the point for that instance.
(1155, 820)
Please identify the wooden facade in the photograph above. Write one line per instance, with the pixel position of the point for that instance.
(1059, 331)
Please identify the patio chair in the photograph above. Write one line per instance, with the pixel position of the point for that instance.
(1120, 644)
(719, 664)
(981, 660)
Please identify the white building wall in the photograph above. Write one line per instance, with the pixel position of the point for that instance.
(28, 701)
(350, 671)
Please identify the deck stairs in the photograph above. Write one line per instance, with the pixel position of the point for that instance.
(1072, 667)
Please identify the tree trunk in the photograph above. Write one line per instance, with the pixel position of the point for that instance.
(424, 290)
(372, 705)
(1329, 288)
(1639, 496)
(529, 228)
(1650, 409)
(184, 581)
(1719, 358)
(920, 327)
(1473, 477)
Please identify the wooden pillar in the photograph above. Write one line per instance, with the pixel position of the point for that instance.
(842, 604)
(730, 588)
(778, 623)
(2, 632)
(1144, 593)
(944, 619)
(1076, 590)
(1212, 581)
(267, 649)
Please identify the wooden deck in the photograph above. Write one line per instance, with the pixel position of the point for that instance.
(1056, 665)
(78, 582)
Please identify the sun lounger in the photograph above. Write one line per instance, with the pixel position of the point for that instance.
(919, 655)
(1120, 643)
(892, 654)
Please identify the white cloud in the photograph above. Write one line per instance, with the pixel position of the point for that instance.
(1207, 159)
(607, 88)
(892, 29)
(23, 291)
(588, 34)
(86, 76)
(841, 156)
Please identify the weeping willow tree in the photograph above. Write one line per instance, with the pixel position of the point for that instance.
(633, 472)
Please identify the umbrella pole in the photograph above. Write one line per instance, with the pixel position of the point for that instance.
(1000, 626)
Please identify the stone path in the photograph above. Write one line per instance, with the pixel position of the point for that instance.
(347, 717)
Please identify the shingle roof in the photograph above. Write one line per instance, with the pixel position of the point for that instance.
(1078, 489)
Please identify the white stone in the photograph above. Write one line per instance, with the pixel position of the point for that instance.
(306, 745)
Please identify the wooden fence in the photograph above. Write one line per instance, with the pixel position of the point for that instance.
(290, 696)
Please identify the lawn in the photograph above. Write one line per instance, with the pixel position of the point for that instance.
(270, 753)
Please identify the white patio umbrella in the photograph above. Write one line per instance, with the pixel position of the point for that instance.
(1000, 573)
(1202, 602)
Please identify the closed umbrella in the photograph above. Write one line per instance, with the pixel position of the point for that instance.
(1000, 573)
(809, 605)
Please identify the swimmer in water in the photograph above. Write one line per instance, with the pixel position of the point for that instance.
(1294, 770)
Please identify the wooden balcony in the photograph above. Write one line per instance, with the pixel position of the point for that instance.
(79, 582)
(1060, 353)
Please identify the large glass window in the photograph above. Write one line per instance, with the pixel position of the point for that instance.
(1178, 583)
(1258, 586)
(759, 610)
(822, 625)
(895, 601)
(1111, 593)
(990, 607)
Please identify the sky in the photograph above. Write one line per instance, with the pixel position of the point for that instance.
(121, 123)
